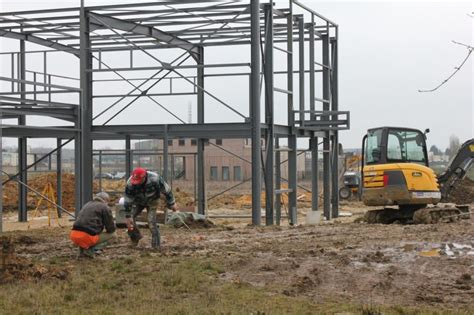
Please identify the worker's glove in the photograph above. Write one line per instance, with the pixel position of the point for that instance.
(174, 207)
(135, 235)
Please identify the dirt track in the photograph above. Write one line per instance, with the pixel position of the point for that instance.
(350, 262)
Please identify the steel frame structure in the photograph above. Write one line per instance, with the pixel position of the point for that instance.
(89, 33)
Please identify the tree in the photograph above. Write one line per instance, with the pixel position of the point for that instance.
(454, 145)
(435, 150)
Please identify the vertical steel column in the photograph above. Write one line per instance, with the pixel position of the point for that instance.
(301, 67)
(326, 144)
(292, 145)
(335, 138)
(255, 112)
(86, 107)
(201, 176)
(22, 142)
(269, 113)
(128, 157)
(312, 107)
(165, 154)
(277, 181)
(100, 169)
(59, 177)
(1, 172)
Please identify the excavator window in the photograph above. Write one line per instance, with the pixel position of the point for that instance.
(372, 152)
(406, 146)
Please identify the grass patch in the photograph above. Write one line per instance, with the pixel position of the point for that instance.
(164, 285)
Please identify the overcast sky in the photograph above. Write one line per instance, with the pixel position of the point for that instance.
(388, 50)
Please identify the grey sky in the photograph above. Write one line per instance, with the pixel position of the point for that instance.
(388, 50)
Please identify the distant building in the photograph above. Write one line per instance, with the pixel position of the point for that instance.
(219, 165)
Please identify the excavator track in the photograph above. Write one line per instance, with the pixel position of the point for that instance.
(428, 215)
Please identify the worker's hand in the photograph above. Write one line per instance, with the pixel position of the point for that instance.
(174, 207)
(129, 223)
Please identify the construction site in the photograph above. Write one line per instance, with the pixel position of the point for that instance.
(235, 105)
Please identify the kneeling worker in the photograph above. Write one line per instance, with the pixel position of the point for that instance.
(87, 231)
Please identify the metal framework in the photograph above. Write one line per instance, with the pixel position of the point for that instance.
(186, 28)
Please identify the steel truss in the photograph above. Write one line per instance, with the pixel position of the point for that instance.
(188, 27)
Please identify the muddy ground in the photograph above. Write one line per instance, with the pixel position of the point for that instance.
(428, 267)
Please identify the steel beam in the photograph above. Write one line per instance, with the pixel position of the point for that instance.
(292, 139)
(1, 165)
(39, 41)
(22, 142)
(59, 175)
(103, 20)
(201, 175)
(128, 157)
(86, 108)
(165, 154)
(314, 140)
(335, 137)
(326, 140)
(255, 112)
(269, 116)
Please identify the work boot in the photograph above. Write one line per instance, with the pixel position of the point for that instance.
(85, 253)
(155, 239)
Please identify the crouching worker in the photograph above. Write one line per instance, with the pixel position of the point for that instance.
(87, 231)
(143, 191)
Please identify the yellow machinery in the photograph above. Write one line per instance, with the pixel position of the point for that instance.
(396, 172)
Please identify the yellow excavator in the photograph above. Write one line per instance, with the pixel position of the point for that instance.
(397, 176)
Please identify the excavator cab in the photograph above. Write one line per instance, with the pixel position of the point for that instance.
(396, 169)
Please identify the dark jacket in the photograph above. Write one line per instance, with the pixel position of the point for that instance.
(94, 217)
(144, 194)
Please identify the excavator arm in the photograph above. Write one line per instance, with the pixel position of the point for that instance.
(457, 168)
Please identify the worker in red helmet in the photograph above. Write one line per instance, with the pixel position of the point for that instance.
(142, 191)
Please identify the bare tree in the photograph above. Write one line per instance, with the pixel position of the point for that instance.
(456, 69)
(454, 145)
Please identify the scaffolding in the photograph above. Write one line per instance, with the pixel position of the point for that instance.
(187, 29)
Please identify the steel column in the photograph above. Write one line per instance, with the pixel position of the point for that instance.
(100, 168)
(1, 171)
(314, 140)
(201, 176)
(86, 107)
(128, 157)
(59, 177)
(22, 141)
(292, 142)
(165, 155)
(269, 116)
(301, 67)
(335, 138)
(326, 143)
(255, 113)
(277, 181)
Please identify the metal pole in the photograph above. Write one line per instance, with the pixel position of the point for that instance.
(301, 66)
(201, 179)
(268, 71)
(313, 140)
(335, 139)
(59, 179)
(165, 154)
(22, 142)
(255, 113)
(100, 170)
(292, 143)
(326, 144)
(277, 181)
(86, 107)
(128, 157)
(1, 168)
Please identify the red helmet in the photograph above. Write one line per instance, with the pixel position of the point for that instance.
(138, 176)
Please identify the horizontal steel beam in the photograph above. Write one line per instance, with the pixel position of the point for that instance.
(211, 130)
(14, 131)
(39, 41)
(64, 114)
